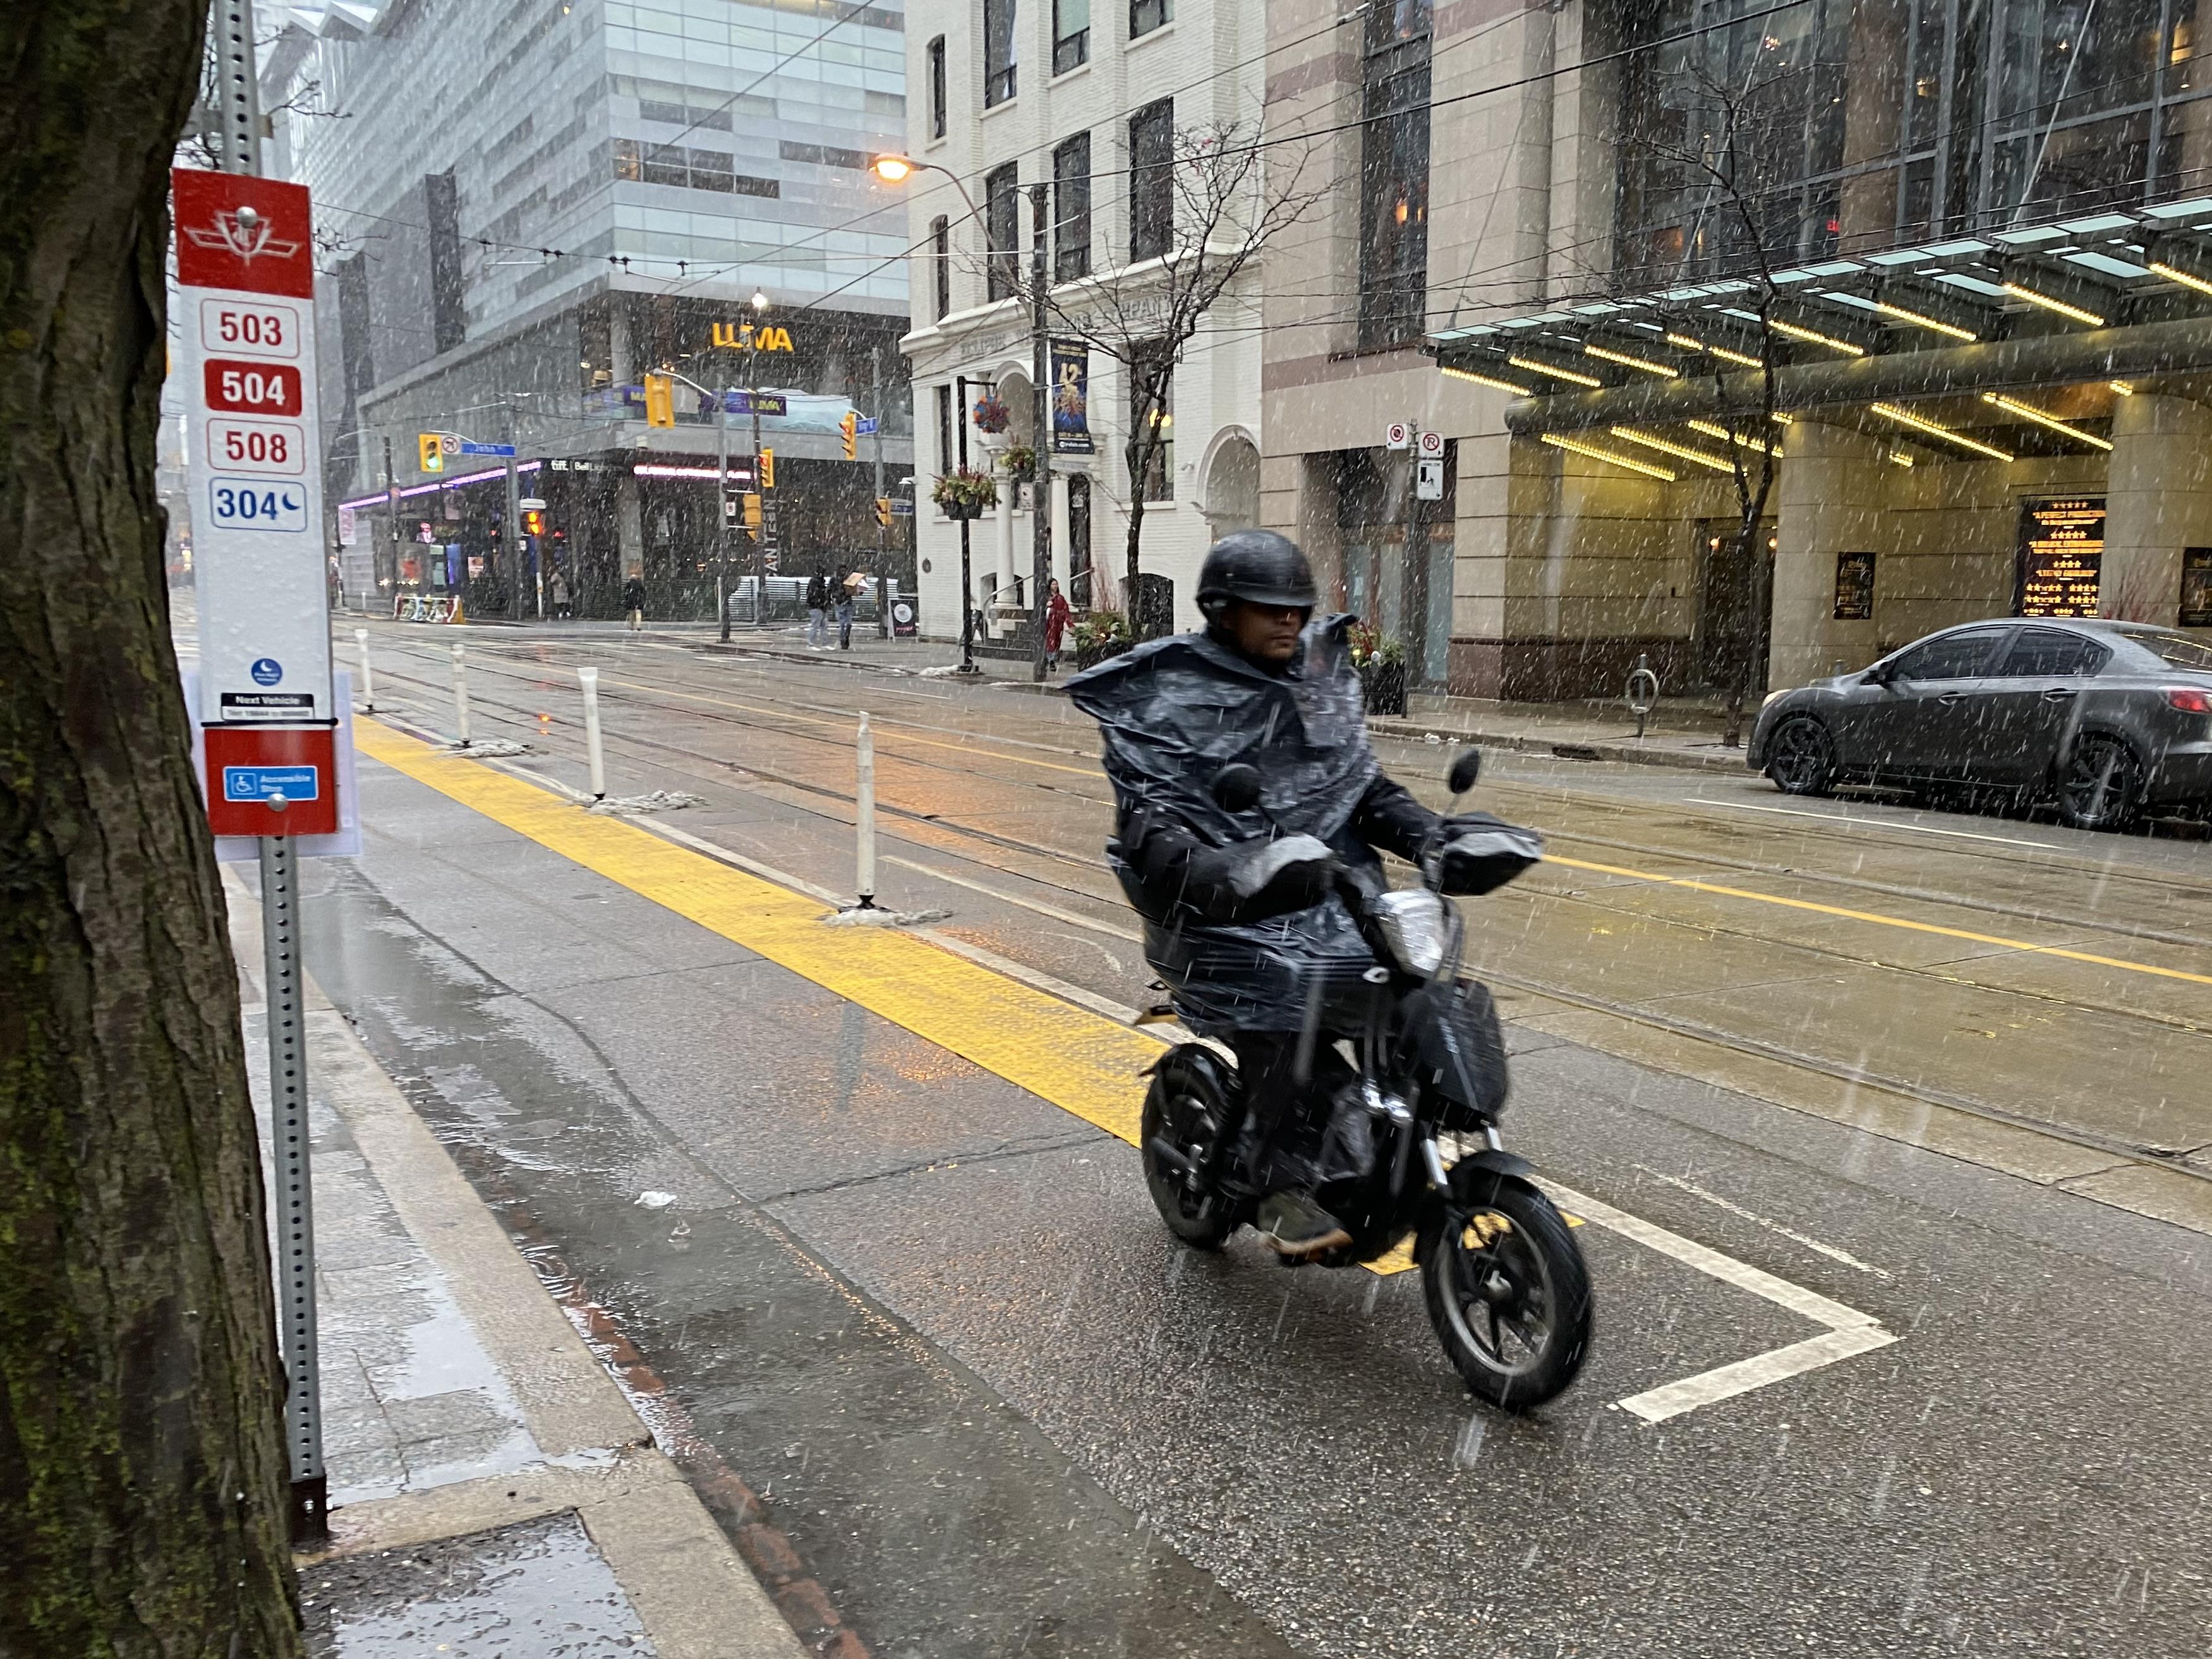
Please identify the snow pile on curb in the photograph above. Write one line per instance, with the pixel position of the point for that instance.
(660, 800)
(877, 918)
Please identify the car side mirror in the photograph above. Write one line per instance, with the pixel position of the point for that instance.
(1236, 787)
(1881, 674)
(1464, 771)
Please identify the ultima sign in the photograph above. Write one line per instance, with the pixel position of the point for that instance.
(740, 335)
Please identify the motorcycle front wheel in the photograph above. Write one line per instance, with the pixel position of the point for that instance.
(1507, 1291)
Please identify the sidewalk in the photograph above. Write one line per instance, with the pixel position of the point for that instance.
(492, 1490)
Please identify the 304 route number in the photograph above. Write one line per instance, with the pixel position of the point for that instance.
(243, 504)
(275, 446)
(246, 388)
(249, 330)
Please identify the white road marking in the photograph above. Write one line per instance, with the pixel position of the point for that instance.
(1850, 1332)
(1872, 824)
(1735, 1209)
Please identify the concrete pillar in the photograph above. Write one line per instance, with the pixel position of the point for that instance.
(1830, 498)
(2158, 500)
(1060, 542)
(629, 527)
(1003, 541)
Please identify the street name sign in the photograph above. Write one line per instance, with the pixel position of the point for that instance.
(247, 276)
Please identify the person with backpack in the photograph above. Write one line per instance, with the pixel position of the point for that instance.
(818, 612)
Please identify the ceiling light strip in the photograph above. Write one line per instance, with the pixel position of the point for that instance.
(1920, 422)
(1921, 319)
(2027, 413)
(1491, 380)
(1535, 367)
(1714, 429)
(2175, 274)
(1668, 446)
(1727, 355)
(1627, 360)
(1797, 331)
(2077, 314)
(1610, 456)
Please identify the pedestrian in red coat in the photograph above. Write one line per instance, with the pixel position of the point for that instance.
(1055, 623)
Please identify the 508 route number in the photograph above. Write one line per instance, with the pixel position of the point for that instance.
(276, 447)
(245, 504)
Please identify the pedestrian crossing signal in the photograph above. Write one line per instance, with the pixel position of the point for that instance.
(850, 427)
(430, 447)
(659, 400)
(768, 469)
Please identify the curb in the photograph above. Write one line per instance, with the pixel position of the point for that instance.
(1627, 751)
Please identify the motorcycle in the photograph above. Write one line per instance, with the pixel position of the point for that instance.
(1505, 1285)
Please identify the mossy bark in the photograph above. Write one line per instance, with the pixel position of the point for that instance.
(142, 1501)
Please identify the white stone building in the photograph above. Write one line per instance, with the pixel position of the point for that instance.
(1001, 94)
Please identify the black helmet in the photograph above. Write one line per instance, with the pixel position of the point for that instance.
(1257, 566)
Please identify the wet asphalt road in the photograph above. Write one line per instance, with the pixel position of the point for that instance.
(935, 1320)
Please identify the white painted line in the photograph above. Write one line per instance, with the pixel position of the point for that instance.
(1850, 1332)
(1735, 1209)
(1775, 1366)
(1872, 824)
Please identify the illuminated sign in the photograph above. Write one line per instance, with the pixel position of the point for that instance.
(2062, 545)
(740, 336)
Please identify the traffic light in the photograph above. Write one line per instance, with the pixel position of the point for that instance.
(884, 511)
(752, 512)
(431, 447)
(659, 400)
(850, 426)
(768, 469)
(533, 520)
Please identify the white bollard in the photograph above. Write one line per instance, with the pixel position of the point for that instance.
(865, 819)
(367, 678)
(461, 693)
(590, 676)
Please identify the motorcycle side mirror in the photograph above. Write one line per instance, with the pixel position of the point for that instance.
(1236, 788)
(1465, 771)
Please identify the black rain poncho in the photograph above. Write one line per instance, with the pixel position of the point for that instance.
(1174, 712)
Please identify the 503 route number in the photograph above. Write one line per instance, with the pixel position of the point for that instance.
(257, 446)
(244, 388)
(242, 504)
(249, 330)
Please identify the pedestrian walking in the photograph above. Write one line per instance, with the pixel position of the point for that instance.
(1055, 623)
(634, 601)
(558, 591)
(845, 610)
(818, 612)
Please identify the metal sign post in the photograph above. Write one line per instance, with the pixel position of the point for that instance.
(247, 318)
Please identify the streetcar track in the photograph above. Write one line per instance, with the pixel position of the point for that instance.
(1914, 894)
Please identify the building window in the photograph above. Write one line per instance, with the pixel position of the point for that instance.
(1394, 172)
(998, 52)
(937, 88)
(1152, 400)
(641, 162)
(1145, 15)
(945, 454)
(1071, 194)
(1151, 199)
(1071, 35)
(1002, 222)
(940, 263)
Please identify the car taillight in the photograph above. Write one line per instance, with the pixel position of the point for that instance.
(2188, 700)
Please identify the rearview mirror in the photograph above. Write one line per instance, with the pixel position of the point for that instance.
(1465, 771)
(1236, 788)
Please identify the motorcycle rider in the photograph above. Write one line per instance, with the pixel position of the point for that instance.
(1242, 919)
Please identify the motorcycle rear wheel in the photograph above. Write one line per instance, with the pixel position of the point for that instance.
(1507, 1291)
(1188, 1110)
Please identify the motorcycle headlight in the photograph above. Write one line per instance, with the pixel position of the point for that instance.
(1411, 921)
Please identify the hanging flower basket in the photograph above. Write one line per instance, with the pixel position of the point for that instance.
(1017, 459)
(964, 493)
(991, 416)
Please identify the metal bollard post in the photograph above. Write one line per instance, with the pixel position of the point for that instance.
(864, 819)
(1643, 691)
(461, 693)
(590, 676)
(367, 678)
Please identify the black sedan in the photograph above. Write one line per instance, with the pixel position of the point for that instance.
(2105, 721)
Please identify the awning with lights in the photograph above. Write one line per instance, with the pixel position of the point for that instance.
(2012, 343)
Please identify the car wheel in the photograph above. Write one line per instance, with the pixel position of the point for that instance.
(2101, 785)
(1800, 757)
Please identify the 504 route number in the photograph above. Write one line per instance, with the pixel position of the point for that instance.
(249, 388)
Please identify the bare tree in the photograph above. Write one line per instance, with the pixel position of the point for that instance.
(1213, 202)
(142, 1465)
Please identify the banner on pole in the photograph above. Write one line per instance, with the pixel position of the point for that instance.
(1071, 398)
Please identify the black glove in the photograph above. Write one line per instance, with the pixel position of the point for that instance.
(1252, 880)
(1477, 853)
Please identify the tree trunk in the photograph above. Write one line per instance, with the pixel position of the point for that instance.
(142, 1500)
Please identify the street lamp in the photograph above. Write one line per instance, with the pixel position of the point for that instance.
(896, 169)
